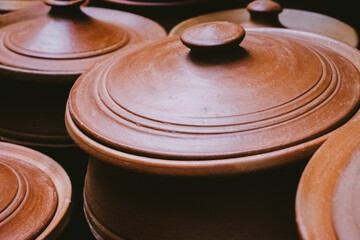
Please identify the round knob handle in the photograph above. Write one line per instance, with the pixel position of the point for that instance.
(265, 12)
(213, 36)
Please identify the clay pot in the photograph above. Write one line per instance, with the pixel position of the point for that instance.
(40, 60)
(16, 5)
(208, 143)
(35, 194)
(327, 198)
(267, 13)
(40, 63)
(166, 12)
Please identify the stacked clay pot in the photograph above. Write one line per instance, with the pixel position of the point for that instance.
(167, 12)
(267, 13)
(203, 138)
(41, 58)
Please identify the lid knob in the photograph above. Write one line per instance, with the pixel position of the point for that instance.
(209, 36)
(265, 12)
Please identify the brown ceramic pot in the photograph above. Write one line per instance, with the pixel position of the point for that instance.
(267, 13)
(328, 194)
(166, 12)
(16, 5)
(35, 194)
(208, 143)
(41, 58)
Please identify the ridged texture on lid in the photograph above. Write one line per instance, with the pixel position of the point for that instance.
(161, 100)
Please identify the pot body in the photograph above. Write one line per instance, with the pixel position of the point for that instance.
(125, 204)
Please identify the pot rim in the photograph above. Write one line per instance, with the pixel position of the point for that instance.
(237, 165)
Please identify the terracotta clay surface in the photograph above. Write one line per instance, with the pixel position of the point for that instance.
(184, 141)
(327, 202)
(35, 194)
(14, 5)
(267, 13)
(167, 12)
(39, 9)
(47, 56)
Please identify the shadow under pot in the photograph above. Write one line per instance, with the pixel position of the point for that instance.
(328, 195)
(35, 194)
(267, 13)
(204, 138)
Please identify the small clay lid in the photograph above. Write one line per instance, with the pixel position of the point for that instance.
(35, 194)
(328, 196)
(268, 13)
(216, 100)
(66, 41)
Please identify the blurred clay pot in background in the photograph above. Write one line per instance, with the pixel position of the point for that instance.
(205, 139)
(267, 13)
(167, 12)
(16, 5)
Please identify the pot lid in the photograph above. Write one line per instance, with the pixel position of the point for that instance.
(327, 201)
(35, 194)
(267, 13)
(218, 100)
(68, 39)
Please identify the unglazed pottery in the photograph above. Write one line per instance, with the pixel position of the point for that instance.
(14, 5)
(35, 194)
(327, 201)
(200, 138)
(267, 13)
(41, 58)
(167, 12)
(39, 9)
